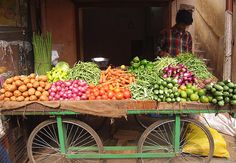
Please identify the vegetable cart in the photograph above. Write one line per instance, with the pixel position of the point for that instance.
(70, 140)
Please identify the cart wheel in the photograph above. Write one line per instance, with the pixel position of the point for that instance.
(159, 139)
(43, 143)
(145, 120)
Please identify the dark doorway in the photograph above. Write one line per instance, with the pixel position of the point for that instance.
(120, 33)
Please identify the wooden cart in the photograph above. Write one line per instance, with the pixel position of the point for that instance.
(71, 140)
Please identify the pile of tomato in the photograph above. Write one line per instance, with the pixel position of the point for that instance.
(107, 92)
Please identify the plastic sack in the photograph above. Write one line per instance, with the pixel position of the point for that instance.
(220, 122)
(200, 145)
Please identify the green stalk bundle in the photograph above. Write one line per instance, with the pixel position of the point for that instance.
(42, 53)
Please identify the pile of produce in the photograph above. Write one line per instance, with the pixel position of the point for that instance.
(59, 72)
(166, 91)
(195, 65)
(142, 90)
(42, 53)
(192, 93)
(68, 90)
(87, 71)
(136, 63)
(25, 88)
(107, 92)
(179, 72)
(222, 92)
(116, 77)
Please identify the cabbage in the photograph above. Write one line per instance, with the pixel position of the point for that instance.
(63, 66)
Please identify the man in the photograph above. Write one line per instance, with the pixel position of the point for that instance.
(176, 40)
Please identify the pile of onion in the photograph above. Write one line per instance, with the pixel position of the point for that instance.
(68, 90)
(181, 73)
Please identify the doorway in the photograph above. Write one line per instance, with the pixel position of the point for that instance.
(120, 33)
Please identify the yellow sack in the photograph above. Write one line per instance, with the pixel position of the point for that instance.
(200, 145)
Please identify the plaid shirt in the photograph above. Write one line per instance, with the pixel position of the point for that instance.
(174, 42)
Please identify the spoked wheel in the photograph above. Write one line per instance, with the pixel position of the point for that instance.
(159, 139)
(43, 144)
(145, 120)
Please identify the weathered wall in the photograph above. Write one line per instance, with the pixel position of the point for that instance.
(234, 48)
(60, 20)
(209, 31)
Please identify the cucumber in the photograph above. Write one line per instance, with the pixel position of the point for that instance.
(221, 83)
(213, 90)
(226, 81)
(234, 97)
(209, 87)
(219, 98)
(218, 87)
(217, 93)
(156, 86)
(226, 94)
(227, 99)
(233, 102)
(230, 85)
(226, 88)
(178, 99)
(231, 90)
(214, 101)
(221, 103)
(156, 91)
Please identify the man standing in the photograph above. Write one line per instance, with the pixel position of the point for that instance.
(176, 40)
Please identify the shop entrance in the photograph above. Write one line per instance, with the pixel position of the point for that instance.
(120, 32)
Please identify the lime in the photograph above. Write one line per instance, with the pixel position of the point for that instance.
(189, 92)
(189, 86)
(201, 92)
(194, 88)
(122, 67)
(210, 98)
(194, 97)
(183, 94)
(183, 87)
(204, 99)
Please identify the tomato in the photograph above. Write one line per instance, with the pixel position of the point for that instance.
(127, 94)
(98, 98)
(114, 98)
(111, 87)
(116, 90)
(96, 93)
(92, 97)
(119, 96)
(106, 88)
(102, 92)
(110, 94)
(91, 86)
(104, 97)
(95, 90)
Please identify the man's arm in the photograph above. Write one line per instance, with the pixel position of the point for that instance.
(161, 44)
(190, 43)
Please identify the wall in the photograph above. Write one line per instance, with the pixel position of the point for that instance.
(59, 18)
(209, 31)
(234, 47)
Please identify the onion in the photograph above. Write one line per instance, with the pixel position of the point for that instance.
(77, 98)
(83, 97)
(53, 89)
(58, 88)
(50, 98)
(52, 94)
(68, 83)
(165, 76)
(79, 93)
(75, 85)
(75, 90)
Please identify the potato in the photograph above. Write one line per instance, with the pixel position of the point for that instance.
(42, 84)
(31, 91)
(15, 78)
(20, 98)
(18, 83)
(40, 89)
(29, 85)
(17, 93)
(38, 94)
(6, 99)
(48, 86)
(32, 76)
(2, 96)
(13, 98)
(33, 98)
(26, 80)
(23, 88)
(2, 91)
(36, 84)
(9, 81)
(27, 98)
(45, 93)
(43, 98)
(25, 94)
(8, 94)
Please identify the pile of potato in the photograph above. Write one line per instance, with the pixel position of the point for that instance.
(25, 88)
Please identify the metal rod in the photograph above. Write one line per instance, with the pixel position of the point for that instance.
(61, 133)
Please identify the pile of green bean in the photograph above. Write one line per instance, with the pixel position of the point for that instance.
(87, 71)
(142, 90)
(161, 63)
(195, 65)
